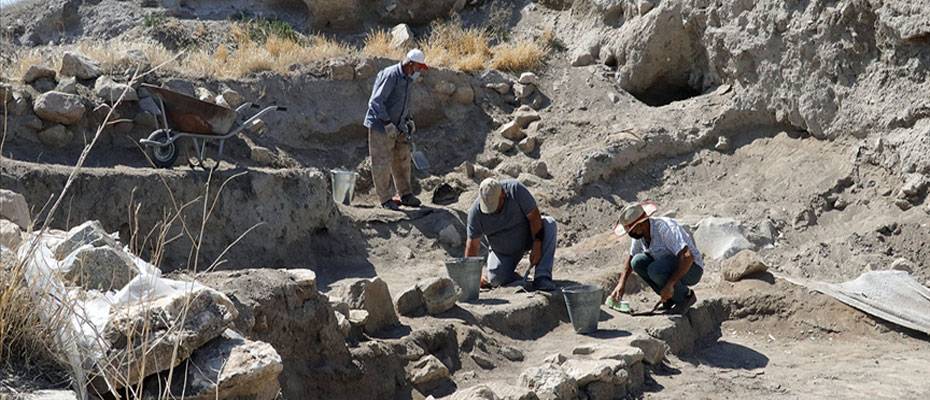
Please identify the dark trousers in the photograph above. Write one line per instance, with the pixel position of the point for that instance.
(657, 271)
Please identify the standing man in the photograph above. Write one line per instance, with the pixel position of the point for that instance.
(506, 213)
(663, 254)
(388, 121)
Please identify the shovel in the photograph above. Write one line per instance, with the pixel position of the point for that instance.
(419, 159)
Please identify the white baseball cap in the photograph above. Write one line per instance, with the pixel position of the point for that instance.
(489, 195)
(416, 56)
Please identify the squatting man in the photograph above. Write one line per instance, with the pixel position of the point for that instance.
(663, 254)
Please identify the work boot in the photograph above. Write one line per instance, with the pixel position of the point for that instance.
(682, 308)
(665, 306)
(390, 205)
(410, 200)
(544, 283)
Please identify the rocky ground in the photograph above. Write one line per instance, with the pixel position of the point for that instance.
(797, 131)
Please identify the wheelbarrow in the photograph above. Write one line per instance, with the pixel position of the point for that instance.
(185, 116)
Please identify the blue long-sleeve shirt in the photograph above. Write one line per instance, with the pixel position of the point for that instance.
(390, 99)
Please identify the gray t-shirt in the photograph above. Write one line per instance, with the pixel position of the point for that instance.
(509, 230)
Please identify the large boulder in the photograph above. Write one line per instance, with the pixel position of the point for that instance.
(100, 268)
(228, 367)
(512, 131)
(427, 370)
(401, 36)
(654, 350)
(56, 136)
(10, 234)
(524, 115)
(88, 233)
(371, 295)
(67, 85)
(231, 98)
(913, 187)
(36, 72)
(549, 382)
(410, 302)
(588, 50)
(719, 238)
(477, 392)
(464, 94)
(341, 70)
(506, 391)
(743, 264)
(13, 207)
(60, 107)
(109, 90)
(285, 309)
(151, 336)
(628, 355)
(587, 371)
(656, 50)
(439, 294)
(77, 65)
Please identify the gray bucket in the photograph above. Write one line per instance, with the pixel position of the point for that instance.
(343, 186)
(466, 273)
(584, 306)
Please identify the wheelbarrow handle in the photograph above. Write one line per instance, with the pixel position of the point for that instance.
(256, 106)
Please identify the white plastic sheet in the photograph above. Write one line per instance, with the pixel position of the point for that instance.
(83, 314)
(893, 296)
(720, 238)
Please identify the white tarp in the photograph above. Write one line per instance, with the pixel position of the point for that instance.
(83, 314)
(720, 238)
(893, 296)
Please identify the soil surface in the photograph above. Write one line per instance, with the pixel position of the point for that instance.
(805, 123)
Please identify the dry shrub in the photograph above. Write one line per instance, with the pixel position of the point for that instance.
(523, 55)
(378, 44)
(453, 46)
(24, 338)
(23, 63)
(273, 53)
(449, 45)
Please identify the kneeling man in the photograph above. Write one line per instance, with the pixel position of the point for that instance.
(506, 213)
(663, 254)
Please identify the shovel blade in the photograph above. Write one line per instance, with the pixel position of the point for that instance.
(419, 159)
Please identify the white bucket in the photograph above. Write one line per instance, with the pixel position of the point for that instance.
(343, 186)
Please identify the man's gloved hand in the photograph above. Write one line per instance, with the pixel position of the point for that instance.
(411, 127)
(391, 129)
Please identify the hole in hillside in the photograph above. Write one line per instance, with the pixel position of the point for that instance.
(660, 95)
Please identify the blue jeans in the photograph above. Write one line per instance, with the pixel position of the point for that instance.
(501, 267)
(657, 271)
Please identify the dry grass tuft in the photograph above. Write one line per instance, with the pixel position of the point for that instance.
(378, 44)
(252, 47)
(24, 338)
(520, 56)
(453, 46)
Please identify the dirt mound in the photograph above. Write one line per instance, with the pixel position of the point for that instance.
(802, 126)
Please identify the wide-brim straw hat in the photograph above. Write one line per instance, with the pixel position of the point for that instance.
(634, 214)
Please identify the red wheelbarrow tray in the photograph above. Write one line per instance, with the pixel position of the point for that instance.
(188, 114)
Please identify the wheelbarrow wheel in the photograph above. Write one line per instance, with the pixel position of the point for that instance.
(163, 156)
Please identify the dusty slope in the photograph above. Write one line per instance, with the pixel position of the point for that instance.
(824, 106)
